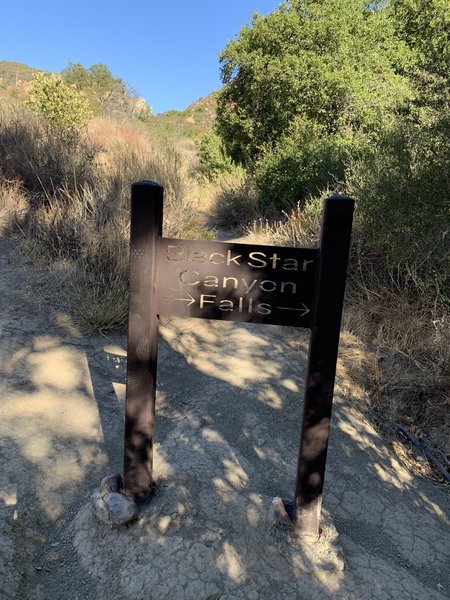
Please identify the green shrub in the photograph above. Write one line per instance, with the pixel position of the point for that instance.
(212, 156)
(403, 191)
(63, 106)
(304, 161)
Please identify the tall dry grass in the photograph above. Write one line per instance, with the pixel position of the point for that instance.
(33, 153)
(408, 336)
(395, 339)
(234, 199)
(299, 227)
(70, 202)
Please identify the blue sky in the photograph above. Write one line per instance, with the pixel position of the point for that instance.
(168, 50)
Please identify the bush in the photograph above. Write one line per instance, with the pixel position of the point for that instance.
(401, 333)
(81, 226)
(213, 159)
(43, 162)
(403, 192)
(304, 161)
(408, 337)
(12, 204)
(300, 227)
(64, 107)
(236, 202)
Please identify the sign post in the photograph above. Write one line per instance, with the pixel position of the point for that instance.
(142, 349)
(323, 350)
(300, 287)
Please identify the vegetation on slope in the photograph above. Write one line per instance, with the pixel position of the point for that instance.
(191, 123)
(65, 185)
(318, 96)
(342, 96)
(12, 73)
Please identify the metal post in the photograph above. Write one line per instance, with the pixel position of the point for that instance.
(146, 227)
(324, 342)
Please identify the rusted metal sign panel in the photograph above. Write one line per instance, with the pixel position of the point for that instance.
(235, 282)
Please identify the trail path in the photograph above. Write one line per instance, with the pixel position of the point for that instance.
(228, 411)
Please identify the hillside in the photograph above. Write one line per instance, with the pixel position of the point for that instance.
(15, 78)
(15, 72)
(172, 125)
(191, 123)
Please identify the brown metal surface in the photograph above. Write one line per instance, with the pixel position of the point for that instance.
(146, 226)
(324, 342)
(235, 282)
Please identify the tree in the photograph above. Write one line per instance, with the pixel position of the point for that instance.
(97, 82)
(63, 106)
(334, 66)
(403, 182)
(424, 25)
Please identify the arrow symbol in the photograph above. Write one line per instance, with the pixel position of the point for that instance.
(304, 310)
(190, 300)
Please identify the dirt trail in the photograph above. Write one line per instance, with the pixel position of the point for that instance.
(228, 410)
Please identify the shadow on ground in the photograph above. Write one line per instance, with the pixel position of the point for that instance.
(227, 429)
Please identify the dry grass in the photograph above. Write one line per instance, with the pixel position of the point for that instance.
(13, 203)
(395, 343)
(300, 227)
(235, 200)
(79, 220)
(33, 154)
(408, 337)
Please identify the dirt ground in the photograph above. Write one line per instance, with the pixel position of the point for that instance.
(227, 427)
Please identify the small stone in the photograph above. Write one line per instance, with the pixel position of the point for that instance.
(278, 516)
(121, 509)
(112, 483)
(209, 536)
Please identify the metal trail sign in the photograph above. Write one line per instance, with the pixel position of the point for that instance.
(235, 282)
(300, 287)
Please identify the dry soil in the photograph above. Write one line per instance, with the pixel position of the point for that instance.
(227, 428)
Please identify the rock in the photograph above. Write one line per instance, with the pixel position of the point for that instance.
(277, 516)
(110, 505)
(112, 483)
(100, 509)
(121, 509)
